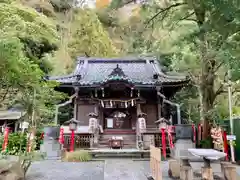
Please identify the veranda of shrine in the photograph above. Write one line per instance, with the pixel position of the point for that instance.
(127, 96)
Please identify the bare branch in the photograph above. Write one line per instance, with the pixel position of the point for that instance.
(5, 94)
(217, 67)
(164, 10)
(220, 90)
(186, 17)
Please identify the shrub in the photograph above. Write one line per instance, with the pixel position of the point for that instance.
(17, 143)
(77, 156)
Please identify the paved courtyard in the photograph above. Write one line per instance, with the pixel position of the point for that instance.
(112, 169)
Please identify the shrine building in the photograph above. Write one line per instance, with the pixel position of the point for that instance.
(117, 90)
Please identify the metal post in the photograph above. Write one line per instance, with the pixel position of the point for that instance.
(230, 113)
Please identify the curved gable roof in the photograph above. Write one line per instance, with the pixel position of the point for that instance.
(139, 71)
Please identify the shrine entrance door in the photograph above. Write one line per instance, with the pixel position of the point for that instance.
(117, 118)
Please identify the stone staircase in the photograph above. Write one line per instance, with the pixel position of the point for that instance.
(129, 139)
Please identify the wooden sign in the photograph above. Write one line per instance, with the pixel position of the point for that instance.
(155, 163)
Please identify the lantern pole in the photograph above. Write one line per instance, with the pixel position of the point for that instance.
(230, 113)
(72, 140)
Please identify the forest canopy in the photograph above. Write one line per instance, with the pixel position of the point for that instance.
(198, 38)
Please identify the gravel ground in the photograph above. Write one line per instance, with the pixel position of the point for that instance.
(56, 170)
(112, 169)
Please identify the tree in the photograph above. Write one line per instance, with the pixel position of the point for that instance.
(88, 37)
(198, 37)
(26, 37)
(217, 27)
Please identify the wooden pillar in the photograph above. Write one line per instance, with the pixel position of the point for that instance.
(139, 109)
(229, 172)
(224, 164)
(159, 108)
(75, 104)
(207, 172)
(186, 173)
(159, 104)
(174, 168)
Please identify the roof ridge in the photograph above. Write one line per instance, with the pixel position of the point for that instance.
(124, 59)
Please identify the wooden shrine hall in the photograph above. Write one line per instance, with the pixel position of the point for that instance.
(122, 96)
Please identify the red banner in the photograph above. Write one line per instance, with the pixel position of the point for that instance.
(61, 137)
(225, 144)
(164, 143)
(5, 141)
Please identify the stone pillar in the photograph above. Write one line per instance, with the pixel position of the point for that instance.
(179, 168)
(184, 141)
(51, 147)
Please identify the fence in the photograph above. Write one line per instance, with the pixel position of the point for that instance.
(80, 141)
(155, 163)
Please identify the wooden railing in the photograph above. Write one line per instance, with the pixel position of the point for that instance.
(81, 141)
(155, 163)
(158, 141)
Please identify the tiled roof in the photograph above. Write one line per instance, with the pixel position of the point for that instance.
(139, 71)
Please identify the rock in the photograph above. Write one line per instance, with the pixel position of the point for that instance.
(13, 176)
(11, 171)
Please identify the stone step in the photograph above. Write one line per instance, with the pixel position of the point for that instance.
(120, 153)
(126, 137)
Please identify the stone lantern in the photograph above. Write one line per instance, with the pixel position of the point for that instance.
(73, 124)
(72, 127)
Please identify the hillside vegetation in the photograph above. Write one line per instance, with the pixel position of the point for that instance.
(198, 38)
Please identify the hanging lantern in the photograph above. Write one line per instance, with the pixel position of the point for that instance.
(131, 92)
(96, 93)
(103, 94)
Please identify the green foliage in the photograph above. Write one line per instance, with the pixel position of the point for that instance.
(61, 5)
(89, 37)
(77, 156)
(25, 40)
(17, 143)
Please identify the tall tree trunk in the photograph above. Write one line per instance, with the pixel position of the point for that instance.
(206, 84)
